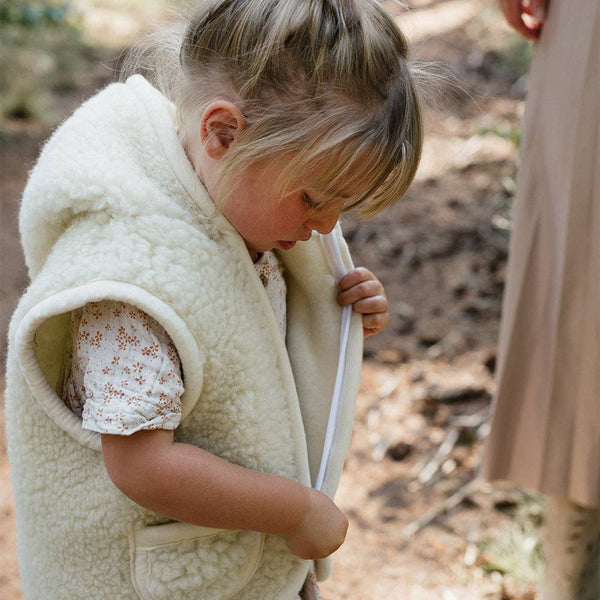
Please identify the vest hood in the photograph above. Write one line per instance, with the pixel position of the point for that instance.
(97, 163)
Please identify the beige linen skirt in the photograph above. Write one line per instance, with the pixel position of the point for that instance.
(546, 426)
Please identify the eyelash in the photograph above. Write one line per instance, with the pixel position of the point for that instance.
(310, 203)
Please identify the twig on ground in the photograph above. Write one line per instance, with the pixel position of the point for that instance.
(477, 421)
(431, 468)
(451, 502)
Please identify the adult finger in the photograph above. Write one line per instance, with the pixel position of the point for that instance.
(513, 11)
(539, 9)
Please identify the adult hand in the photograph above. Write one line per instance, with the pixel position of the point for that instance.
(526, 16)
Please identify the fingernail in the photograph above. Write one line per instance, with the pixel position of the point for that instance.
(539, 13)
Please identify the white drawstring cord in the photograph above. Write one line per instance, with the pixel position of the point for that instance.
(336, 264)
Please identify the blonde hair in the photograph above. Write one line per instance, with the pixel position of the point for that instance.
(326, 81)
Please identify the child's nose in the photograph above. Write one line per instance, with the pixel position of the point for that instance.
(325, 222)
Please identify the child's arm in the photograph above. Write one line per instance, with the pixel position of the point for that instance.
(365, 292)
(188, 484)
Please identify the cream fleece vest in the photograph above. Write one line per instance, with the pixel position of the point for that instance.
(113, 209)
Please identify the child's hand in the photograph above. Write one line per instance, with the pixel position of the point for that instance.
(322, 529)
(365, 292)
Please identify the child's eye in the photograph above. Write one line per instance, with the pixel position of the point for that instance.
(310, 203)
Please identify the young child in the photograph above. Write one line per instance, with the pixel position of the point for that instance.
(172, 365)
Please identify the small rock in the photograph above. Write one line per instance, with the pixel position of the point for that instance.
(459, 290)
(430, 337)
(399, 451)
(490, 362)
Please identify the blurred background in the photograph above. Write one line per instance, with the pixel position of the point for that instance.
(423, 526)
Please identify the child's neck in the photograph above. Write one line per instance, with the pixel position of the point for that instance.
(198, 159)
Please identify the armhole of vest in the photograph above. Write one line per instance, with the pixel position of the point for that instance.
(70, 299)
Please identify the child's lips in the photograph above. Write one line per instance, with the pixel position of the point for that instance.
(288, 244)
(285, 245)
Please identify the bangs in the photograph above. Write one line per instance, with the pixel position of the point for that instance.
(369, 156)
(369, 177)
(367, 170)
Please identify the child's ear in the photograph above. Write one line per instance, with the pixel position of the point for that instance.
(220, 124)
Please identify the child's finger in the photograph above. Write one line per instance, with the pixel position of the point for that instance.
(355, 277)
(375, 322)
(358, 291)
(371, 305)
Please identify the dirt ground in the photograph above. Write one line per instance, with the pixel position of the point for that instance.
(423, 526)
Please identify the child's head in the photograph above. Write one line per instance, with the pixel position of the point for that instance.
(325, 83)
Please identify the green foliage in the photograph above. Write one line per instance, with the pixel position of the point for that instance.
(518, 551)
(512, 134)
(34, 14)
(40, 56)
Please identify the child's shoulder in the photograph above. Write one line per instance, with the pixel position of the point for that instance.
(100, 133)
(116, 102)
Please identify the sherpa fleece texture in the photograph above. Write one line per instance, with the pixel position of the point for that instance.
(113, 209)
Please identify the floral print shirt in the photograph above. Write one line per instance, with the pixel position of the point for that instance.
(125, 372)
